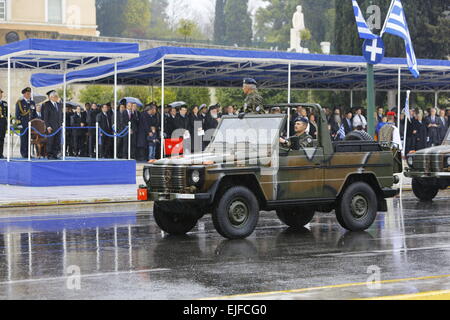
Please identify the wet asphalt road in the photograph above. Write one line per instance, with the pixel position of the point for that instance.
(121, 254)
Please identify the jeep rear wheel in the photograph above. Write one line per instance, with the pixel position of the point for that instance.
(424, 192)
(357, 208)
(173, 223)
(296, 219)
(236, 214)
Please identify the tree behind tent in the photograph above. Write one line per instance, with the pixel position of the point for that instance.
(238, 23)
(219, 22)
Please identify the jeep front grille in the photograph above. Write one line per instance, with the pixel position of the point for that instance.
(428, 163)
(168, 179)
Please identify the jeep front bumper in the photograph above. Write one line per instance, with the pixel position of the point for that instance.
(423, 175)
(162, 197)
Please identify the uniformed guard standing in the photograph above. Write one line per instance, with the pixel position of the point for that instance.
(390, 133)
(3, 123)
(25, 109)
(253, 103)
(301, 139)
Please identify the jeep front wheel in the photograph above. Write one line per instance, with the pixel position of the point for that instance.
(236, 214)
(296, 219)
(173, 223)
(357, 208)
(424, 192)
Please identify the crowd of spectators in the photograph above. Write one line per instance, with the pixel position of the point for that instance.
(427, 128)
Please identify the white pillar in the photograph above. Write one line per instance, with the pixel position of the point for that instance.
(64, 115)
(115, 110)
(399, 98)
(129, 140)
(289, 100)
(9, 111)
(436, 99)
(351, 99)
(29, 141)
(96, 141)
(162, 110)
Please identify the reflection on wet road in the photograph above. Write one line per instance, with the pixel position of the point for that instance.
(119, 253)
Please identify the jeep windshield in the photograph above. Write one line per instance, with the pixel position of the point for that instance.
(446, 141)
(253, 132)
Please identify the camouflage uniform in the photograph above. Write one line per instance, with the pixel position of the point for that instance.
(254, 103)
(298, 142)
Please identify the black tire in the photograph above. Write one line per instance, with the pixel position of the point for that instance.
(173, 223)
(358, 136)
(296, 219)
(236, 214)
(357, 208)
(424, 192)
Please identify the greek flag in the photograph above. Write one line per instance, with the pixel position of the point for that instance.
(363, 28)
(341, 133)
(396, 24)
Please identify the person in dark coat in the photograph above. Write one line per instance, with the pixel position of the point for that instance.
(211, 123)
(53, 118)
(182, 121)
(170, 125)
(3, 123)
(182, 129)
(92, 121)
(445, 125)
(335, 123)
(434, 124)
(25, 109)
(78, 120)
(348, 122)
(121, 125)
(105, 123)
(130, 116)
(420, 133)
(148, 120)
(196, 129)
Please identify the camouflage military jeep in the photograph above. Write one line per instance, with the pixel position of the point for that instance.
(430, 170)
(244, 171)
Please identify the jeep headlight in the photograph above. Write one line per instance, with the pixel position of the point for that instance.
(448, 161)
(195, 176)
(410, 162)
(147, 175)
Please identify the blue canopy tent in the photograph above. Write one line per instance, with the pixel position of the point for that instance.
(197, 67)
(60, 56)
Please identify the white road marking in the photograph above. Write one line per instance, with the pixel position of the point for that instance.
(96, 275)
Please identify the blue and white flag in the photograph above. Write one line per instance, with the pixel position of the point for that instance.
(363, 28)
(341, 133)
(397, 25)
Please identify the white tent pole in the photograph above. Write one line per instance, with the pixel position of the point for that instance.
(289, 100)
(64, 115)
(399, 98)
(29, 141)
(351, 99)
(97, 131)
(115, 110)
(129, 140)
(162, 109)
(436, 99)
(406, 127)
(9, 111)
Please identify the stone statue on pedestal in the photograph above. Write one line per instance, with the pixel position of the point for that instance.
(298, 22)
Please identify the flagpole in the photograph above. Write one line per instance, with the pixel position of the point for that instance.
(407, 119)
(387, 18)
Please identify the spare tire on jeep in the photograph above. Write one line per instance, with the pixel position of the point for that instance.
(358, 136)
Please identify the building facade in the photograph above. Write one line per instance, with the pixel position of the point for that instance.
(22, 19)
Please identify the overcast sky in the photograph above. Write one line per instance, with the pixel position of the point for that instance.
(202, 9)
